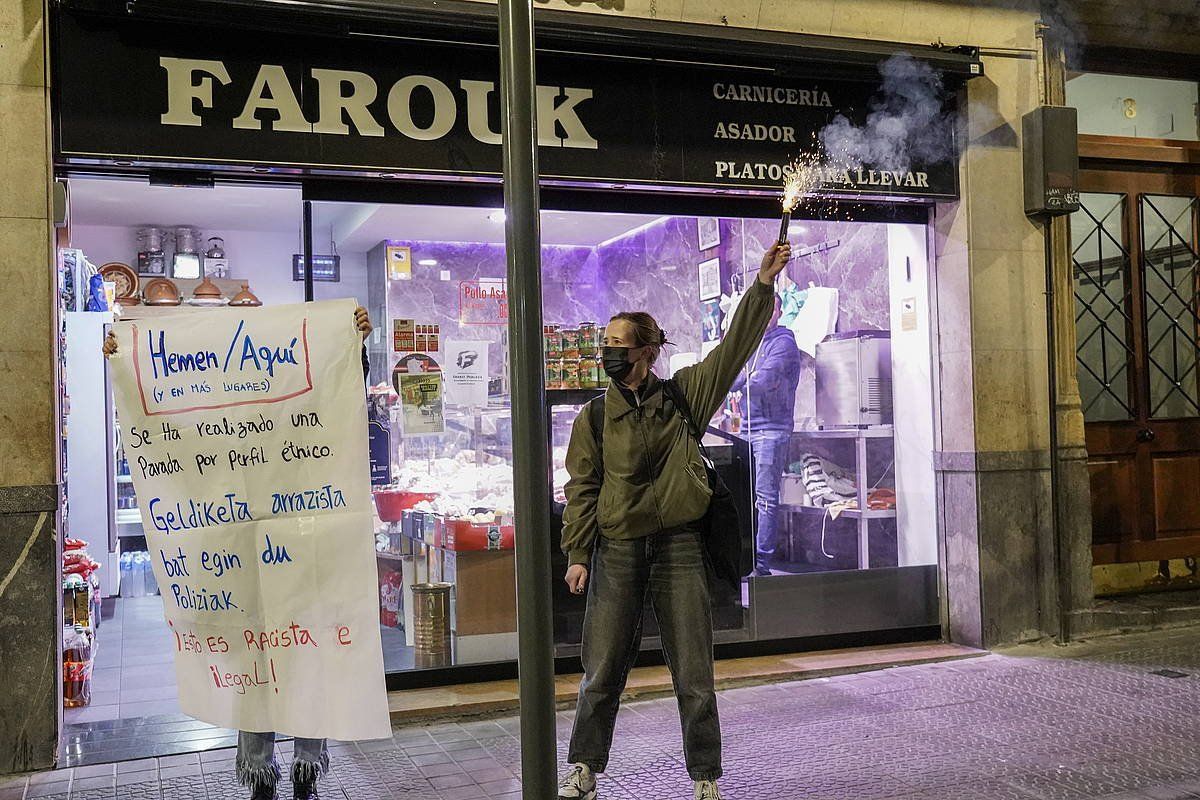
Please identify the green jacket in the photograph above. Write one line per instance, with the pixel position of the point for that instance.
(653, 477)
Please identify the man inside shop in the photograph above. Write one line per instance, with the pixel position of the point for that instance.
(769, 383)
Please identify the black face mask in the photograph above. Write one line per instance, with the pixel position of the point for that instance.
(616, 363)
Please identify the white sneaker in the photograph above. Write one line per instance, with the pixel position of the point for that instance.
(579, 784)
(707, 790)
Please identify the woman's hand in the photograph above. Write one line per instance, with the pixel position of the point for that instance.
(577, 575)
(362, 321)
(110, 344)
(773, 262)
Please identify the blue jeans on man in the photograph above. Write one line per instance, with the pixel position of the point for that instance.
(770, 451)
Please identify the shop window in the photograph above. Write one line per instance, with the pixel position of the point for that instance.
(848, 485)
(435, 286)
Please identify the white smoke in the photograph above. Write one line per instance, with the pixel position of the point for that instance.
(907, 122)
(1066, 29)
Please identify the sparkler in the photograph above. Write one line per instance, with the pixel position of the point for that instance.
(803, 178)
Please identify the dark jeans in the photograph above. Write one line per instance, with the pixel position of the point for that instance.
(668, 568)
(770, 454)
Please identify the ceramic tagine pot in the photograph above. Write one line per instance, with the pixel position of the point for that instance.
(245, 298)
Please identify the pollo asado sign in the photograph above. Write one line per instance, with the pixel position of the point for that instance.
(132, 90)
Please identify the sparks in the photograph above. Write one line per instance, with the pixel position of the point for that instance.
(804, 176)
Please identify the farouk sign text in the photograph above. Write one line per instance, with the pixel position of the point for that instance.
(348, 94)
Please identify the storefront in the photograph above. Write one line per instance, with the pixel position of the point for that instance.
(205, 167)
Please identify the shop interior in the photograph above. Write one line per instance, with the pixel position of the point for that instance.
(856, 483)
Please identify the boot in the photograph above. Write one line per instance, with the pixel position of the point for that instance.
(305, 790)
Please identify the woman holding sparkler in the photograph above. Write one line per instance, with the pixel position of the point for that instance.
(636, 496)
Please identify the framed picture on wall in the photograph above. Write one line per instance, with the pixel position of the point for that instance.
(711, 318)
(710, 279)
(708, 230)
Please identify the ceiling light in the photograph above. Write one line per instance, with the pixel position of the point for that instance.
(497, 215)
(428, 262)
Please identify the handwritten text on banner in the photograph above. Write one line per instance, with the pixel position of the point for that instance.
(246, 436)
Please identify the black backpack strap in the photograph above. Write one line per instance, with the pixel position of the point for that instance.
(675, 391)
(595, 412)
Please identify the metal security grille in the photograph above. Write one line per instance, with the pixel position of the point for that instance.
(1102, 307)
(1169, 264)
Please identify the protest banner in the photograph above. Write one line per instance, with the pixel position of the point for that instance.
(246, 436)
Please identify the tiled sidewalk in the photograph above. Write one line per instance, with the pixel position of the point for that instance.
(1091, 721)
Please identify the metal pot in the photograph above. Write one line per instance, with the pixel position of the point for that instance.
(216, 247)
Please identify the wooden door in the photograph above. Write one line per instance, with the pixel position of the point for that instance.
(1135, 245)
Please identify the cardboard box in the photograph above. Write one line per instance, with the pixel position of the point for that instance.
(485, 590)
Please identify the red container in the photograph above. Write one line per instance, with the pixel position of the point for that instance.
(460, 535)
(390, 504)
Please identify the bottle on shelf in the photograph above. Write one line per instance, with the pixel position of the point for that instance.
(77, 666)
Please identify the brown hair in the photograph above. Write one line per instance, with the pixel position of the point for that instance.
(645, 330)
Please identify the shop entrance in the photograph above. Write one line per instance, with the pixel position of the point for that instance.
(1137, 284)
(149, 250)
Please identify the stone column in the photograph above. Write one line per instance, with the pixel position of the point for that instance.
(992, 461)
(30, 598)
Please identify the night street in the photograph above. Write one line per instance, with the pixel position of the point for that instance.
(1089, 721)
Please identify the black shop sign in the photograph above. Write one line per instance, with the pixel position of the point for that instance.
(159, 92)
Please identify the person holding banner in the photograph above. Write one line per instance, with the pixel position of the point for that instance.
(636, 498)
(256, 765)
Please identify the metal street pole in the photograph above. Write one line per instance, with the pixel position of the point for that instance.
(522, 242)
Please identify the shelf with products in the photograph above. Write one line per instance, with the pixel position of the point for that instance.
(573, 358)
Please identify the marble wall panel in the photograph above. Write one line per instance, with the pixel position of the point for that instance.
(29, 660)
(655, 269)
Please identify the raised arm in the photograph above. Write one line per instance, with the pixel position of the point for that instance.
(706, 384)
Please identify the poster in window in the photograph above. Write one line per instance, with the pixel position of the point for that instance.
(467, 373)
(709, 274)
(421, 402)
(399, 262)
(417, 379)
(708, 231)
